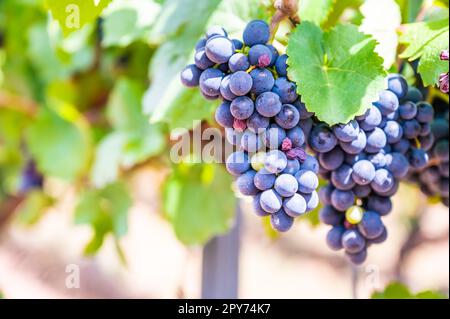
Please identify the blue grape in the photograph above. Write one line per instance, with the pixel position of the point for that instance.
(351, 159)
(240, 83)
(330, 216)
(275, 54)
(256, 32)
(301, 107)
(411, 129)
(245, 184)
(286, 185)
(224, 67)
(296, 136)
(362, 191)
(380, 204)
(242, 107)
(425, 129)
(322, 139)
(383, 181)
(376, 140)
(281, 65)
(325, 194)
(190, 76)
(363, 172)
(387, 102)
(238, 62)
(341, 178)
(237, 163)
(251, 142)
(310, 164)
(270, 201)
(332, 160)
(380, 239)
(281, 222)
(275, 136)
(225, 90)
(306, 126)
(286, 89)
(414, 95)
(260, 55)
(276, 162)
(215, 30)
(288, 117)
(425, 112)
(352, 241)
(263, 81)
(268, 104)
(257, 207)
(201, 60)
(393, 131)
(292, 167)
(264, 180)
(307, 181)
(257, 123)
(356, 146)
(238, 44)
(418, 158)
(441, 151)
(347, 132)
(402, 146)
(219, 49)
(397, 84)
(233, 137)
(371, 225)
(334, 237)
(371, 120)
(358, 258)
(312, 200)
(342, 200)
(200, 44)
(223, 115)
(397, 164)
(407, 110)
(210, 81)
(295, 206)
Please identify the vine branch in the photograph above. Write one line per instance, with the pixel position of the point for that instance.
(285, 9)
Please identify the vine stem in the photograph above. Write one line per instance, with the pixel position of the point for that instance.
(18, 104)
(284, 9)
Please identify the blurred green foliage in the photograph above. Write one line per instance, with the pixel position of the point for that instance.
(398, 290)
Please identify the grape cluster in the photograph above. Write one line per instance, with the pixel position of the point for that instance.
(433, 179)
(364, 161)
(263, 118)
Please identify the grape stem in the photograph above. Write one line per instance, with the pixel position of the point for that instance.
(284, 9)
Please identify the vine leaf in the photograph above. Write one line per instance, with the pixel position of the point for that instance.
(338, 73)
(316, 11)
(396, 290)
(199, 202)
(425, 41)
(72, 15)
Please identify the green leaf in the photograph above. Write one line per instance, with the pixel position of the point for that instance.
(106, 211)
(199, 202)
(398, 290)
(134, 140)
(337, 73)
(60, 143)
(34, 207)
(181, 24)
(316, 11)
(126, 21)
(425, 41)
(338, 10)
(72, 15)
(385, 33)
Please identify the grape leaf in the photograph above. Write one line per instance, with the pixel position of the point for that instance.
(425, 41)
(398, 290)
(72, 15)
(316, 11)
(126, 21)
(34, 207)
(106, 211)
(338, 10)
(337, 73)
(199, 202)
(385, 33)
(60, 143)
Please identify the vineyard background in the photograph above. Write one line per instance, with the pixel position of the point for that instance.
(77, 103)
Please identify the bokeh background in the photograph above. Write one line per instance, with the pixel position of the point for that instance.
(86, 178)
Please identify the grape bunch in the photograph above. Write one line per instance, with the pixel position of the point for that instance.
(263, 118)
(364, 162)
(433, 179)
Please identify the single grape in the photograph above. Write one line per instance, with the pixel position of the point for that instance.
(219, 49)
(397, 164)
(310, 164)
(257, 123)
(341, 178)
(352, 241)
(362, 191)
(371, 120)
(275, 136)
(275, 54)
(363, 172)
(296, 136)
(237, 163)
(332, 160)
(307, 181)
(358, 258)
(380, 239)
(393, 131)
(264, 180)
(356, 146)
(322, 139)
(411, 129)
(256, 32)
(376, 140)
(263, 81)
(334, 237)
(418, 158)
(240, 83)
(402, 146)
(347, 132)
(270, 201)
(286, 185)
(414, 95)
(245, 184)
(260, 55)
(281, 65)
(342, 200)
(238, 62)
(190, 76)
(312, 200)
(292, 167)
(268, 104)
(371, 225)
(281, 222)
(276, 162)
(294, 206)
(201, 60)
(325, 194)
(210, 81)
(257, 207)
(215, 30)
(288, 117)
(397, 84)
(383, 181)
(225, 90)
(223, 115)
(425, 112)
(242, 107)
(286, 89)
(330, 216)
(407, 110)
(387, 102)
(301, 107)
(380, 204)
